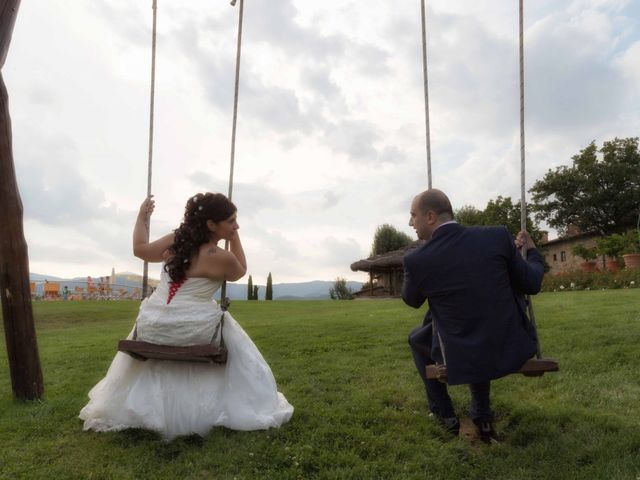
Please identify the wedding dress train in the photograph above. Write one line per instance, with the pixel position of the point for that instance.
(181, 398)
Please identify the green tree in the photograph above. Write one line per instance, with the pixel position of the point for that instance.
(268, 294)
(255, 292)
(340, 291)
(469, 216)
(501, 211)
(250, 289)
(387, 239)
(587, 254)
(599, 192)
(629, 241)
(611, 246)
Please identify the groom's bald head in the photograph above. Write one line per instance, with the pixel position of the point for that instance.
(429, 209)
(435, 200)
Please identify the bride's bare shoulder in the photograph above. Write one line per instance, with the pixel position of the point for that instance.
(212, 258)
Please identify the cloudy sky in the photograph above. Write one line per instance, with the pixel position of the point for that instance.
(330, 138)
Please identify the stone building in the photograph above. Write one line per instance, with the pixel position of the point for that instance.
(557, 252)
(386, 273)
(558, 256)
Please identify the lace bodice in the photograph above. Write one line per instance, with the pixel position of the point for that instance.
(192, 289)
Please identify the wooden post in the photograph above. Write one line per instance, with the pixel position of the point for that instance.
(15, 292)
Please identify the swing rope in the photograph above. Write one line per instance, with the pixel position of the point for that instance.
(223, 292)
(536, 366)
(209, 353)
(235, 96)
(523, 212)
(426, 89)
(425, 74)
(145, 273)
(523, 205)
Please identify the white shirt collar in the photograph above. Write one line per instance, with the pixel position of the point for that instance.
(443, 224)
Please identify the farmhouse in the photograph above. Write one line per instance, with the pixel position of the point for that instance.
(560, 259)
(385, 272)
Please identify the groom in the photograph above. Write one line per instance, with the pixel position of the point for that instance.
(474, 280)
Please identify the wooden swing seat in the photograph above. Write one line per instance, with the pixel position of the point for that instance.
(534, 367)
(143, 351)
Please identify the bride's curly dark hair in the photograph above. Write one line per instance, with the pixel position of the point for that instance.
(193, 232)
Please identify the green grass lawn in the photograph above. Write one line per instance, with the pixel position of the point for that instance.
(360, 406)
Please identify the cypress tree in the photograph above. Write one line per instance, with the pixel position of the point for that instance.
(255, 292)
(250, 289)
(268, 295)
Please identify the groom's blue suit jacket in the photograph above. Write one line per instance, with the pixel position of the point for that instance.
(475, 280)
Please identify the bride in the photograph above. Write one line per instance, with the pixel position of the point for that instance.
(181, 398)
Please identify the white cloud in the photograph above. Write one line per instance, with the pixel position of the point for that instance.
(330, 139)
(628, 62)
(52, 186)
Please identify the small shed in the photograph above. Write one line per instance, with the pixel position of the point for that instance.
(386, 273)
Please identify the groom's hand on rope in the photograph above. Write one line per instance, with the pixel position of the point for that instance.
(524, 238)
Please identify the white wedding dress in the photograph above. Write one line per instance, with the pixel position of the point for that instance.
(182, 398)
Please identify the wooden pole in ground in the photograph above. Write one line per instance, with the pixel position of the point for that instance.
(15, 293)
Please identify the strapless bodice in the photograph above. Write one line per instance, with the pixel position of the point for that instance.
(192, 289)
(183, 314)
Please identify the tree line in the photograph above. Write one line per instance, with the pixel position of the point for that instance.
(252, 290)
(598, 193)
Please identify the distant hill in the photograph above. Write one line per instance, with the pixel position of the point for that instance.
(314, 290)
(125, 279)
(36, 277)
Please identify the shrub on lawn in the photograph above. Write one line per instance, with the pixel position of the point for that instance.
(598, 280)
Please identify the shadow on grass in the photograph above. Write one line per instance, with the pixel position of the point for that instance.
(162, 449)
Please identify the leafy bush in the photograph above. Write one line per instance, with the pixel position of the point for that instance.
(340, 291)
(598, 280)
(587, 254)
(631, 241)
(611, 246)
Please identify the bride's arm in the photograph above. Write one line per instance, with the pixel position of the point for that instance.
(235, 245)
(235, 263)
(154, 251)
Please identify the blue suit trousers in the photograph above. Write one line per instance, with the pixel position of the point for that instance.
(421, 341)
